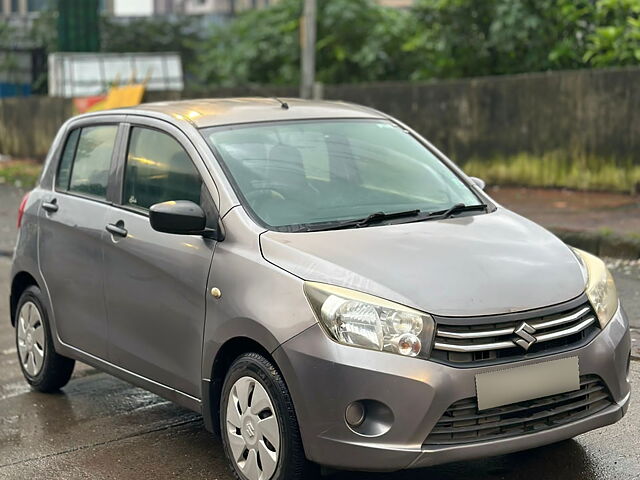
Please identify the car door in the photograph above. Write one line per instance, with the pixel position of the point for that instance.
(71, 235)
(156, 282)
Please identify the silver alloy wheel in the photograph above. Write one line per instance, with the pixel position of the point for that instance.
(31, 343)
(252, 429)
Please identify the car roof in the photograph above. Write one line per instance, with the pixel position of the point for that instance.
(227, 111)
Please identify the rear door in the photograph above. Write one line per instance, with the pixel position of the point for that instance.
(156, 282)
(71, 220)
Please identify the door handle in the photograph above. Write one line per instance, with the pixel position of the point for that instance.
(51, 206)
(117, 229)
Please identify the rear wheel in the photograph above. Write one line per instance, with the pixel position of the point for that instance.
(258, 423)
(41, 366)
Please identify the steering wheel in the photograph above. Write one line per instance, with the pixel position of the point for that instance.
(281, 191)
(264, 193)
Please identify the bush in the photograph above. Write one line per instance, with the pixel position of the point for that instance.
(357, 41)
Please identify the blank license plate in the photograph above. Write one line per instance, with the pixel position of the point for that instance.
(518, 384)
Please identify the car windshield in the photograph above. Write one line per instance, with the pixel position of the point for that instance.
(322, 172)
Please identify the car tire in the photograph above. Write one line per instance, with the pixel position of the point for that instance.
(258, 422)
(43, 368)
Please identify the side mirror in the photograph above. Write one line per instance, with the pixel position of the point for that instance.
(180, 217)
(479, 182)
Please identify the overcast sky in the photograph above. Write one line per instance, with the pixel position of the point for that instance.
(133, 7)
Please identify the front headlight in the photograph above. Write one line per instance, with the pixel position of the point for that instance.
(601, 289)
(362, 320)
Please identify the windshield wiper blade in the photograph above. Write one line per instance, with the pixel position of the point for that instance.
(380, 216)
(457, 208)
(359, 222)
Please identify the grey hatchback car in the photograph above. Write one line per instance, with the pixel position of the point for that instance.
(318, 281)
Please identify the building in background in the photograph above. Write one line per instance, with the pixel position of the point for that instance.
(231, 7)
(22, 8)
(133, 8)
(207, 7)
(397, 3)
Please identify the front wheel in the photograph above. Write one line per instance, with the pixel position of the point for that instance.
(258, 423)
(42, 367)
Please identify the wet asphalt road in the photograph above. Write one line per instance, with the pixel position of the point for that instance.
(102, 428)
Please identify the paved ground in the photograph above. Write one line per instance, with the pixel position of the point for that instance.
(103, 428)
(573, 210)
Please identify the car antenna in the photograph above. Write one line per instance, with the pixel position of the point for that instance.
(283, 105)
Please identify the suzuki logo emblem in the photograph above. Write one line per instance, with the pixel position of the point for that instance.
(251, 431)
(525, 331)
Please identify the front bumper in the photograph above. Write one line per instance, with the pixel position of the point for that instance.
(324, 377)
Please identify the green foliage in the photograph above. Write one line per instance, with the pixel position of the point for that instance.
(21, 173)
(616, 39)
(153, 34)
(357, 40)
(258, 46)
(361, 41)
(557, 169)
(486, 37)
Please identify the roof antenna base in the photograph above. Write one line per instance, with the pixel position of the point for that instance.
(283, 105)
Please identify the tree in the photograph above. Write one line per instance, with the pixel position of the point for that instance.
(360, 41)
(615, 41)
(357, 41)
(459, 38)
(154, 34)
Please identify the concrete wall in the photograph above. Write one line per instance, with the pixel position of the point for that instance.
(593, 112)
(28, 124)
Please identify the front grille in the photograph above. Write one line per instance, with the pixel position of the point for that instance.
(463, 423)
(471, 343)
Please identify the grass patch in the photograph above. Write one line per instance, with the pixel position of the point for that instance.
(20, 173)
(553, 169)
(558, 170)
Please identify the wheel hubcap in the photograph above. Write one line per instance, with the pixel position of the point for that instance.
(31, 338)
(252, 429)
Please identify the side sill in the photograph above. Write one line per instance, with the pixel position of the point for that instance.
(164, 391)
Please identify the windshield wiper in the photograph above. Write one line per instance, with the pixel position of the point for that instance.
(358, 222)
(381, 216)
(457, 208)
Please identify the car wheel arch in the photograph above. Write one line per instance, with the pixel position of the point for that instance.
(230, 350)
(21, 281)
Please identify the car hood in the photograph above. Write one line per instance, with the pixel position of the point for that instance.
(486, 264)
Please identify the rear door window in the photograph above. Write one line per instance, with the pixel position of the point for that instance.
(86, 160)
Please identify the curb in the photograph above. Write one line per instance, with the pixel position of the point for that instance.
(601, 244)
